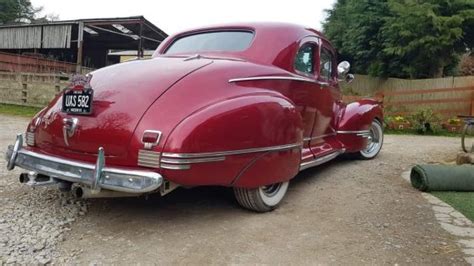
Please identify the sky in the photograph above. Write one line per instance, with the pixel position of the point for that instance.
(176, 15)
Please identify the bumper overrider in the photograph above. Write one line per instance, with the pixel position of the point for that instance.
(96, 176)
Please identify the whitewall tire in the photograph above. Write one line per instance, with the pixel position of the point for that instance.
(375, 141)
(261, 199)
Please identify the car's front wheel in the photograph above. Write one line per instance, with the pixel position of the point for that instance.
(375, 141)
(261, 199)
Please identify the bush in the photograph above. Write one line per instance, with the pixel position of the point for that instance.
(425, 121)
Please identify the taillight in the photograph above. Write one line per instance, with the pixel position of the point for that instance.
(151, 138)
(30, 138)
(30, 132)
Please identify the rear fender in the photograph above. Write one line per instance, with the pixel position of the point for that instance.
(357, 117)
(238, 124)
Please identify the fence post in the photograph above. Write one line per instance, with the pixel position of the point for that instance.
(472, 104)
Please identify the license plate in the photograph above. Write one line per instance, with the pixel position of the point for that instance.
(78, 102)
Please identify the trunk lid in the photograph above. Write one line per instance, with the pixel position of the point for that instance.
(122, 94)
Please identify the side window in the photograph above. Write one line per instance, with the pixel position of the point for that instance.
(304, 61)
(325, 67)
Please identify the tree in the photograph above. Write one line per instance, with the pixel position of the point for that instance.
(427, 35)
(354, 28)
(402, 38)
(17, 11)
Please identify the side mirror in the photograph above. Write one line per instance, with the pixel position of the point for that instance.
(349, 78)
(343, 71)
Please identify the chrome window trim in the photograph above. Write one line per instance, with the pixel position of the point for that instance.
(279, 78)
(321, 160)
(232, 152)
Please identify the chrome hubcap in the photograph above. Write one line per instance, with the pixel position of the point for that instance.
(271, 190)
(374, 140)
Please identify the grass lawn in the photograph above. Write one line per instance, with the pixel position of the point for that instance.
(461, 201)
(11, 109)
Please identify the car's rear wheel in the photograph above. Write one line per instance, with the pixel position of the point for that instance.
(261, 199)
(375, 141)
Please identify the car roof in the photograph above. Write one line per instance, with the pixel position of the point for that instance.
(271, 42)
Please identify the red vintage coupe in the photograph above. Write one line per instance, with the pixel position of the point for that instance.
(246, 106)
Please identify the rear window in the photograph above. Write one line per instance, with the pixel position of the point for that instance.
(226, 41)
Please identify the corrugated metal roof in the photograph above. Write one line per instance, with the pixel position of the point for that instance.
(92, 21)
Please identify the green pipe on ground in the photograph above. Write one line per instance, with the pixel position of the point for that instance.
(443, 177)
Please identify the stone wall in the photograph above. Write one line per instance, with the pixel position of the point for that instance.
(30, 89)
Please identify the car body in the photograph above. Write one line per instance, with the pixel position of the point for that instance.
(245, 106)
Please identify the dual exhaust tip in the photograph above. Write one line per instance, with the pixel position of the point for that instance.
(34, 179)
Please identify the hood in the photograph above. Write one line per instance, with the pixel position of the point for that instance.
(122, 94)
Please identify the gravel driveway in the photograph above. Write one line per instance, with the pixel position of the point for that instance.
(344, 212)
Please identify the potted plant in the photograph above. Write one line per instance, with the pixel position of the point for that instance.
(453, 124)
(399, 123)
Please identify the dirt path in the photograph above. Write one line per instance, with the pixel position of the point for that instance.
(345, 212)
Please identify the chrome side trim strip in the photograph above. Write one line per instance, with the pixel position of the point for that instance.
(319, 137)
(186, 161)
(233, 152)
(321, 160)
(175, 166)
(303, 79)
(364, 132)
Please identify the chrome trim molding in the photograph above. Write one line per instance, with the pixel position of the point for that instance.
(354, 132)
(175, 166)
(321, 160)
(303, 79)
(233, 152)
(147, 158)
(197, 160)
(96, 176)
(69, 128)
(319, 137)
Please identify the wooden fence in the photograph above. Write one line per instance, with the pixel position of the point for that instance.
(30, 64)
(447, 97)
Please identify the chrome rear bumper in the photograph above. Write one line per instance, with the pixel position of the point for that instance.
(95, 176)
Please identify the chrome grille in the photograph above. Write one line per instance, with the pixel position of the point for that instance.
(148, 158)
(30, 138)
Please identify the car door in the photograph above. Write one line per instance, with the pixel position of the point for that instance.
(311, 97)
(323, 133)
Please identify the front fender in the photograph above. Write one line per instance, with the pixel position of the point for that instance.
(357, 117)
(238, 124)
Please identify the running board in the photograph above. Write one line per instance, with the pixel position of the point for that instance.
(321, 160)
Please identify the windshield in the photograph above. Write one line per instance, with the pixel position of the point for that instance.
(226, 41)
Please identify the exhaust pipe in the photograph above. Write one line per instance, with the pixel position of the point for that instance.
(34, 179)
(81, 192)
(24, 178)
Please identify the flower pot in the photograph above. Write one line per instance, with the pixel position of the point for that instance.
(399, 125)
